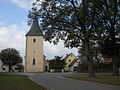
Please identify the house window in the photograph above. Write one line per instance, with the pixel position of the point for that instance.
(33, 61)
(75, 68)
(3, 68)
(34, 40)
(16, 68)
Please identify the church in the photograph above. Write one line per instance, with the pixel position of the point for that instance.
(34, 49)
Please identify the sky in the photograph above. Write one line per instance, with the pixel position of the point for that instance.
(13, 27)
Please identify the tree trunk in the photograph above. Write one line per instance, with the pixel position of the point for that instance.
(90, 59)
(91, 69)
(115, 65)
(9, 67)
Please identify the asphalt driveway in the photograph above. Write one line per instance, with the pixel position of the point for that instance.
(55, 81)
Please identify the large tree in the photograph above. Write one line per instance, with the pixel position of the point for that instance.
(10, 57)
(69, 20)
(108, 23)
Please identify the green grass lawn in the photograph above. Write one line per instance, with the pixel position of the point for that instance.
(106, 79)
(17, 82)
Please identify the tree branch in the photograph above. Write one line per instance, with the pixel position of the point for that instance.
(78, 19)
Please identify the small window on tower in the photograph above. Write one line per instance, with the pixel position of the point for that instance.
(34, 52)
(34, 40)
(33, 61)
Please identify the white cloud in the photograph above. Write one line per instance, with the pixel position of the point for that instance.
(57, 50)
(13, 36)
(26, 4)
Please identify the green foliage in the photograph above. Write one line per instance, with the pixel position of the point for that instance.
(57, 58)
(103, 67)
(16, 82)
(108, 19)
(83, 67)
(109, 48)
(67, 20)
(20, 68)
(104, 78)
(10, 57)
(57, 63)
(80, 23)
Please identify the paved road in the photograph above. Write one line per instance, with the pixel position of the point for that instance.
(55, 81)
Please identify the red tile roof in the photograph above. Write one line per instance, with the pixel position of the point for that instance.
(47, 61)
(73, 62)
(108, 60)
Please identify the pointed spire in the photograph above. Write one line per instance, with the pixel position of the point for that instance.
(35, 28)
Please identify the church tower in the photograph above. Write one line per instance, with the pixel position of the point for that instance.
(34, 49)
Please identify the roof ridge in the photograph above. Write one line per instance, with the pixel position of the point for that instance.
(69, 55)
(35, 29)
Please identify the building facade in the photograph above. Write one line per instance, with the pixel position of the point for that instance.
(34, 49)
(68, 60)
(74, 65)
(3, 68)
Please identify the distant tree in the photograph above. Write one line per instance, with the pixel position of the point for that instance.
(57, 63)
(10, 57)
(20, 68)
(57, 58)
(82, 67)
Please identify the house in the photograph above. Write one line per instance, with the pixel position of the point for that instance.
(107, 60)
(3, 68)
(71, 62)
(73, 66)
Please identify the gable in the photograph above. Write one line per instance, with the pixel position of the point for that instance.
(69, 58)
(75, 62)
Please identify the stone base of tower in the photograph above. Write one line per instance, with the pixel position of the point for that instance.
(32, 68)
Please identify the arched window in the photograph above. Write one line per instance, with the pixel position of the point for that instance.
(33, 61)
(34, 51)
(34, 40)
